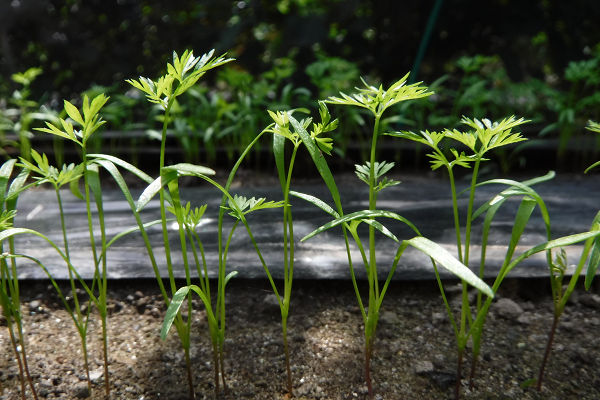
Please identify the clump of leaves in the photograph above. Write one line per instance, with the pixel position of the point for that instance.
(283, 133)
(79, 127)
(10, 303)
(181, 75)
(558, 267)
(376, 100)
(484, 136)
(23, 113)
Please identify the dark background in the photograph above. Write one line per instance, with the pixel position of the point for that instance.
(79, 43)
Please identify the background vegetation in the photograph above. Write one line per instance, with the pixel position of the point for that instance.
(538, 59)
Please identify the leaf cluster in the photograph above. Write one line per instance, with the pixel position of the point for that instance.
(484, 136)
(487, 135)
(281, 126)
(381, 168)
(181, 74)
(240, 206)
(377, 100)
(48, 173)
(6, 219)
(191, 216)
(88, 119)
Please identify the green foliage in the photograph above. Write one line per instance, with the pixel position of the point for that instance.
(26, 112)
(48, 173)
(240, 206)
(377, 100)
(88, 118)
(179, 102)
(332, 74)
(381, 168)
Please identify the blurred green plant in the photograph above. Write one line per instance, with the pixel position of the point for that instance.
(580, 102)
(20, 113)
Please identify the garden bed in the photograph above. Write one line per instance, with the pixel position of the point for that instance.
(414, 355)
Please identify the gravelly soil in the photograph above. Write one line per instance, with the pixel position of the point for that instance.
(414, 355)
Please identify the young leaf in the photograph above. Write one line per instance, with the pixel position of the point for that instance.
(73, 113)
(360, 215)
(448, 261)
(240, 205)
(173, 310)
(378, 100)
(318, 160)
(154, 187)
(316, 202)
(190, 169)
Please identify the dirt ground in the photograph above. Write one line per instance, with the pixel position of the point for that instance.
(414, 358)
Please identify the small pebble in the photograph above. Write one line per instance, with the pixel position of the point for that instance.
(423, 367)
(507, 308)
(590, 300)
(270, 300)
(35, 306)
(81, 391)
(389, 317)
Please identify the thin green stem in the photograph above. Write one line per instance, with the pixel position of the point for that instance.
(163, 212)
(15, 348)
(196, 245)
(373, 284)
(465, 316)
(288, 259)
(16, 300)
(288, 247)
(456, 213)
(67, 254)
(372, 312)
(352, 274)
(88, 208)
(470, 211)
(102, 288)
(547, 352)
(445, 300)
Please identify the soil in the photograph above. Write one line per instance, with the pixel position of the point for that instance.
(414, 357)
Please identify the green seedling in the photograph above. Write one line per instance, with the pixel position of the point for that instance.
(561, 295)
(376, 101)
(89, 121)
(282, 133)
(558, 266)
(182, 74)
(42, 172)
(81, 323)
(188, 220)
(24, 113)
(483, 137)
(9, 284)
(580, 100)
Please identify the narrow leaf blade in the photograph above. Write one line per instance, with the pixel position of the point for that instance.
(448, 261)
